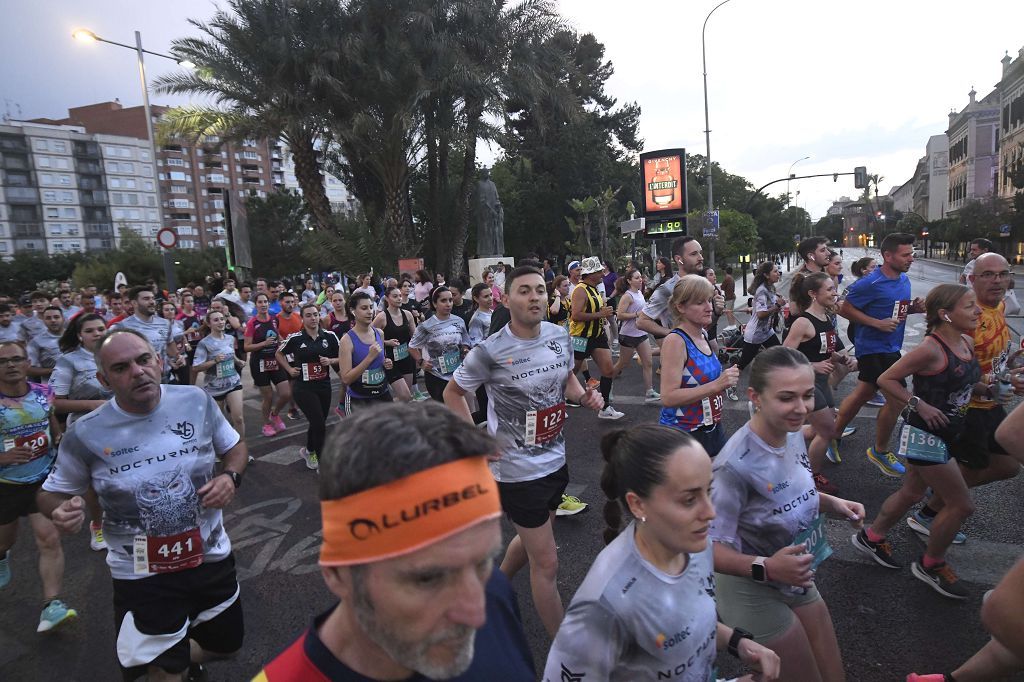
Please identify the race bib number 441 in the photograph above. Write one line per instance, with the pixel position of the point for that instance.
(168, 553)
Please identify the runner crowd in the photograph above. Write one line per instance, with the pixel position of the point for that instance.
(124, 409)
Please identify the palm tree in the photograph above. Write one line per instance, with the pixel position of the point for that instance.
(264, 63)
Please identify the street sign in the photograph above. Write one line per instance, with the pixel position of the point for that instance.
(711, 224)
(632, 226)
(1004, 230)
(167, 238)
(796, 238)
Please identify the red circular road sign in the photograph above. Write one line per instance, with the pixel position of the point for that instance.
(167, 238)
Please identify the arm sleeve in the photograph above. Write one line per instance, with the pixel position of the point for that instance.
(32, 350)
(419, 337)
(859, 294)
(250, 327)
(465, 332)
(729, 495)
(60, 379)
(657, 305)
(201, 354)
(474, 371)
(70, 474)
(589, 642)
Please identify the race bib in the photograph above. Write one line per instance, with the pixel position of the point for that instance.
(373, 377)
(815, 540)
(828, 342)
(543, 426)
(192, 335)
(448, 362)
(226, 368)
(168, 553)
(401, 351)
(579, 344)
(311, 371)
(38, 443)
(918, 444)
(268, 365)
(900, 310)
(712, 406)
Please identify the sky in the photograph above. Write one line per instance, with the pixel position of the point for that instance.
(846, 83)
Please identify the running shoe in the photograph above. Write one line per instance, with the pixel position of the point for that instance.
(340, 412)
(55, 613)
(922, 525)
(887, 462)
(824, 485)
(571, 506)
(849, 431)
(251, 459)
(419, 396)
(610, 413)
(941, 578)
(937, 677)
(294, 414)
(268, 430)
(878, 400)
(5, 570)
(96, 541)
(652, 397)
(277, 423)
(312, 461)
(732, 394)
(593, 383)
(833, 452)
(879, 551)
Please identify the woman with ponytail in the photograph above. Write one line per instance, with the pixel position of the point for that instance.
(663, 559)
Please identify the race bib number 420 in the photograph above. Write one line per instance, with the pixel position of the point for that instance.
(168, 553)
(38, 443)
(543, 426)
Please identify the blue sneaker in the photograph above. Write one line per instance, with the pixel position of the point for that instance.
(849, 431)
(5, 570)
(922, 525)
(887, 462)
(878, 400)
(55, 613)
(833, 452)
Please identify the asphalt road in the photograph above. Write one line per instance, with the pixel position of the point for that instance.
(888, 623)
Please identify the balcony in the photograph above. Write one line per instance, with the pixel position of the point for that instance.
(101, 244)
(96, 214)
(27, 230)
(89, 150)
(88, 167)
(15, 162)
(15, 179)
(22, 195)
(93, 198)
(90, 183)
(10, 143)
(99, 230)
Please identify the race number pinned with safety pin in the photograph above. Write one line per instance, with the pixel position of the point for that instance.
(168, 553)
(268, 365)
(900, 309)
(815, 540)
(543, 426)
(579, 344)
(373, 377)
(313, 371)
(918, 444)
(401, 351)
(226, 368)
(712, 408)
(447, 363)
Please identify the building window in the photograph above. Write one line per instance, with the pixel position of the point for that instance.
(177, 175)
(144, 155)
(40, 145)
(50, 196)
(175, 162)
(52, 212)
(46, 179)
(127, 167)
(69, 212)
(115, 183)
(178, 189)
(61, 163)
(147, 185)
(59, 146)
(43, 162)
(65, 179)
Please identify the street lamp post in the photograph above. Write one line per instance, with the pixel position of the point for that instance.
(85, 35)
(707, 126)
(744, 264)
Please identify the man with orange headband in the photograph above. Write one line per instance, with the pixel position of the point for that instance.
(526, 368)
(409, 542)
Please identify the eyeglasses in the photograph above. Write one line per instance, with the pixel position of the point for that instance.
(994, 275)
(13, 361)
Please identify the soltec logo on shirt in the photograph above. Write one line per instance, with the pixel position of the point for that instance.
(665, 643)
(108, 452)
(774, 488)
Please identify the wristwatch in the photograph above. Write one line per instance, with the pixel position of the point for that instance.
(236, 477)
(912, 403)
(758, 572)
(734, 641)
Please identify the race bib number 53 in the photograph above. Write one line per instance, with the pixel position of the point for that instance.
(168, 553)
(312, 371)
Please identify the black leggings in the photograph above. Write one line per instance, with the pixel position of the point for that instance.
(314, 399)
(435, 386)
(750, 349)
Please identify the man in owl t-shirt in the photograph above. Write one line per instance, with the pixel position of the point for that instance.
(150, 455)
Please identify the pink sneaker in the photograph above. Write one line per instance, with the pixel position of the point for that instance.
(268, 430)
(275, 420)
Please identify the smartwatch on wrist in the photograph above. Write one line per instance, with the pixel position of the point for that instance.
(913, 402)
(236, 477)
(758, 571)
(734, 641)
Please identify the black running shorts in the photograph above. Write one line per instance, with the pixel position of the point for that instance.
(529, 503)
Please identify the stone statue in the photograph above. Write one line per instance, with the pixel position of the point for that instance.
(490, 217)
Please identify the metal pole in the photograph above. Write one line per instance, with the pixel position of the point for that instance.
(167, 258)
(707, 125)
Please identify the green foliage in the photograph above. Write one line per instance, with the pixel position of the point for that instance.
(737, 233)
(27, 271)
(276, 226)
(353, 245)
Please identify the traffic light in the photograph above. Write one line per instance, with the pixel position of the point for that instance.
(860, 177)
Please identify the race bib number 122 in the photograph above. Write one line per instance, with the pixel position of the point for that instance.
(543, 426)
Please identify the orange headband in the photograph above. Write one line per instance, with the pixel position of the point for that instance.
(403, 516)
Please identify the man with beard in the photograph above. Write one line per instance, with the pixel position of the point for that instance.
(655, 318)
(526, 369)
(153, 327)
(409, 542)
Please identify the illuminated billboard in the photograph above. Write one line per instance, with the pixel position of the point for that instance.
(663, 178)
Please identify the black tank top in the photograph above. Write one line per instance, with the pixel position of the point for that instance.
(948, 390)
(824, 342)
(563, 311)
(396, 331)
(339, 327)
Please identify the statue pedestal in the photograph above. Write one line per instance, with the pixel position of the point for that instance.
(477, 265)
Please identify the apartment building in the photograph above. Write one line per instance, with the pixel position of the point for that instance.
(55, 189)
(341, 200)
(973, 136)
(1011, 127)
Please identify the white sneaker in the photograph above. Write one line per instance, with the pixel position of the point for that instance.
(312, 461)
(96, 541)
(610, 413)
(732, 394)
(652, 396)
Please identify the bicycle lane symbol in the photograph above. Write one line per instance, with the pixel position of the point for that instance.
(256, 526)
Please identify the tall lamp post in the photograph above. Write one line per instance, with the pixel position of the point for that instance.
(707, 126)
(87, 36)
(744, 264)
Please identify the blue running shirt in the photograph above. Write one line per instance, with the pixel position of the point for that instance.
(882, 298)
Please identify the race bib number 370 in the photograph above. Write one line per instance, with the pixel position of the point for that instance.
(168, 553)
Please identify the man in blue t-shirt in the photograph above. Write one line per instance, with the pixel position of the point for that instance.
(879, 304)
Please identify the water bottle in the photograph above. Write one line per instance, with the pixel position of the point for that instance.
(1004, 386)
